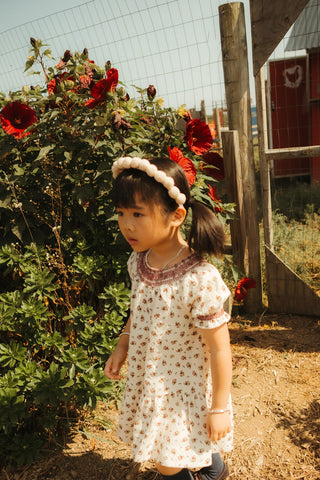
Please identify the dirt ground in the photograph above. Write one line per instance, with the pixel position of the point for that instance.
(276, 398)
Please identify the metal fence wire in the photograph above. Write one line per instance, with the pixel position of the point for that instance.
(172, 44)
(293, 102)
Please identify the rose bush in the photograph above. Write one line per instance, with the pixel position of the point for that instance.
(63, 283)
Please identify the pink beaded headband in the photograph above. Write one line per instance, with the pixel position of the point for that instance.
(145, 166)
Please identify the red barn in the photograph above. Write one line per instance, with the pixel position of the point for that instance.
(295, 96)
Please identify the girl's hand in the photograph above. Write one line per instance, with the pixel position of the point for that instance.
(114, 364)
(219, 425)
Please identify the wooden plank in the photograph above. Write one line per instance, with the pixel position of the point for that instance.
(233, 175)
(294, 152)
(270, 21)
(264, 165)
(236, 78)
(288, 293)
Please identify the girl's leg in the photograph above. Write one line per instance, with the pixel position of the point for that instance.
(174, 473)
(218, 470)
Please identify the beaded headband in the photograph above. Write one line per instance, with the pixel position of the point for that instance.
(144, 165)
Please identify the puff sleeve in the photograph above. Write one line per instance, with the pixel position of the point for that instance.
(209, 296)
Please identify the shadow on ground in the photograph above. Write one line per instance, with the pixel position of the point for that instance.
(86, 466)
(279, 332)
(303, 426)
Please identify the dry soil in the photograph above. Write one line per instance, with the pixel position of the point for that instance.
(276, 400)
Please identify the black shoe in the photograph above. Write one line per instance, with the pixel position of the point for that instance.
(222, 476)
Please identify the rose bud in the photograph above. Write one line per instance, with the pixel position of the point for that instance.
(151, 92)
(66, 56)
(33, 42)
(85, 52)
(125, 125)
(121, 91)
(108, 65)
(187, 116)
(116, 120)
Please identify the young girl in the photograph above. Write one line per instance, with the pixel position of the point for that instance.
(176, 408)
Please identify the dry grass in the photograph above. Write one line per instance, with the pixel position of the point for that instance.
(277, 413)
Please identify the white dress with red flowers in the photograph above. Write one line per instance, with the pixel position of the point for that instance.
(169, 388)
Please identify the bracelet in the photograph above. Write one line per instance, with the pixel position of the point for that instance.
(124, 333)
(223, 410)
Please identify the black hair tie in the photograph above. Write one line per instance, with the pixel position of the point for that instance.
(190, 202)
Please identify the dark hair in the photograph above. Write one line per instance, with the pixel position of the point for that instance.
(206, 233)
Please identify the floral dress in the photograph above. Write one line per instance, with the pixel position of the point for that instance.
(169, 387)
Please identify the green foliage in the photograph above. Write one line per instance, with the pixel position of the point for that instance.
(49, 362)
(63, 280)
(298, 243)
(290, 197)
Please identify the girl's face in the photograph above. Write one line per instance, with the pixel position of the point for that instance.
(145, 226)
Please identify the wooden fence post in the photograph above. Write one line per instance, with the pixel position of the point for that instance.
(236, 77)
(216, 116)
(264, 164)
(203, 115)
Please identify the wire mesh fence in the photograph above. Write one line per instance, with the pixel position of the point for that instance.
(293, 102)
(173, 44)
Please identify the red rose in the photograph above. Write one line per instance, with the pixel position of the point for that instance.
(52, 86)
(16, 117)
(189, 170)
(100, 89)
(63, 77)
(176, 155)
(198, 136)
(85, 81)
(242, 286)
(213, 194)
(99, 92)
(112, 77)
(215, 160)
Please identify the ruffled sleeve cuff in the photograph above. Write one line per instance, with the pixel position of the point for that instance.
(213, 320)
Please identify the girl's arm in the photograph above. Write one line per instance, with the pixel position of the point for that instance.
(218, 343)
(118, 357)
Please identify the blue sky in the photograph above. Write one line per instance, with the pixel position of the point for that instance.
(17, 12)
(173, 44)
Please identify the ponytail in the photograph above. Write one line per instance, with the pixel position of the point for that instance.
(206, 233)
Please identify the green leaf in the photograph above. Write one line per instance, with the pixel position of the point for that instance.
(44, 152)
(47, 53)
(117, 298)
(18, 170)
(11, 354)
(29, 63)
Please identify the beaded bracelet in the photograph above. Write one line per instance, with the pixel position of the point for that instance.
(223, 410)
